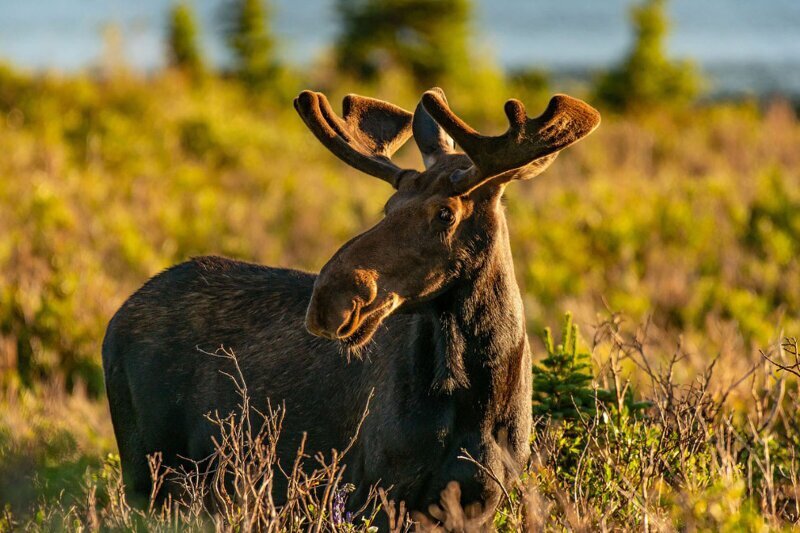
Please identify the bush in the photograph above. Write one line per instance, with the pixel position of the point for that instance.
(646, 78)
(426, 37)
(250, 40)
(183, 48)
(562, 380)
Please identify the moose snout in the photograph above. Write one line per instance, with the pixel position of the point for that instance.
(337, 301)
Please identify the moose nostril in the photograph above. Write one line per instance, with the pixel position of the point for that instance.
(338, 297)
(347, 325)
(366, 287)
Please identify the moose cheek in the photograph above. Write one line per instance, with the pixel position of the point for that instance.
(432, 284)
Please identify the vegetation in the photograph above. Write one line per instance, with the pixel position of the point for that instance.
(250, 40)
(563, 381)
(184, 51)
(686, 222)
(426, 37)
(647, 78)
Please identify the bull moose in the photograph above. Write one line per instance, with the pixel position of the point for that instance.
(430, 289)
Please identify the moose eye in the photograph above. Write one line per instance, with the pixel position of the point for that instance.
(446, 216)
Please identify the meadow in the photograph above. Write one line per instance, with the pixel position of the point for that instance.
(671, 235)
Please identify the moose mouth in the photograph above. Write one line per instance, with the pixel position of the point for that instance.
(361, 326)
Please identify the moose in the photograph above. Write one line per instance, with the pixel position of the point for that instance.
(429, 291)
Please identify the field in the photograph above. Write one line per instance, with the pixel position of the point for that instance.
(672, 236)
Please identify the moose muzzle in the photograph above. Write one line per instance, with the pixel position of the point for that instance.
(340, 302)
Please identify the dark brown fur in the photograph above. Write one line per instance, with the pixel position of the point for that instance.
(427, 297)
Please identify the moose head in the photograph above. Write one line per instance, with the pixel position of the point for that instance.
(439, 221)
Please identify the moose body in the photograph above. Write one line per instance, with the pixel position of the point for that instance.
(427, 298)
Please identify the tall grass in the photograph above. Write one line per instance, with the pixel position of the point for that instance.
(692, 459)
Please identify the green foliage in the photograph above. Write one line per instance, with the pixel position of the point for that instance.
(109, 182)
(250, 40)
(646, 77)
(184, 50)
(427, 37)
(689, 462)
(562, 380)
(577, 414)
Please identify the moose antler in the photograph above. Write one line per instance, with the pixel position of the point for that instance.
(529, 144)
(370, 132)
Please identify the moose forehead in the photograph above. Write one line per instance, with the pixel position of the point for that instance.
(435, 180)
(430, 187)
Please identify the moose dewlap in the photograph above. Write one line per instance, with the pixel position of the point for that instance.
(429, 292)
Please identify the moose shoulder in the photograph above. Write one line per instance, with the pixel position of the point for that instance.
(429, 291)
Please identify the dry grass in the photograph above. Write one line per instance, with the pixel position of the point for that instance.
(692, 460)
(232, 490)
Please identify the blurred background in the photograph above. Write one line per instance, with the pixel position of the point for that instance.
(135, 135)
(744, 47)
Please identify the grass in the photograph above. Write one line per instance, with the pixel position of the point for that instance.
(690, 458)
(685, 222)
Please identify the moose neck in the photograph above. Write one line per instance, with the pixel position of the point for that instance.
(479, 323)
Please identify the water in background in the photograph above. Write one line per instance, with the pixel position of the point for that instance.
(744, 45)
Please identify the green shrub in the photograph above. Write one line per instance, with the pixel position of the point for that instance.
(426, 37)
(562, 380)
(250, 39)
(183, 48)
(646, 78)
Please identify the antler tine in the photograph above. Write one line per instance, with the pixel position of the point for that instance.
(531, 143)
(435, 104)
(515, 111)
(371, 131)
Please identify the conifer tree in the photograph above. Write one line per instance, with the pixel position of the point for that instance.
(250, 40)
(562, 381)
(184, 51)
(647, 77)
(426, 37)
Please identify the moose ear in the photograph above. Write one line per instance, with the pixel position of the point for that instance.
(431, 138)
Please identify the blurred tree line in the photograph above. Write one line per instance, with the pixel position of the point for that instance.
(647, 77)
(430, 40)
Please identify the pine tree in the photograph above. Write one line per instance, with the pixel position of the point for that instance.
(562, 381)
(646, 77)
(184, 52)
(250, 40)
(426, 37)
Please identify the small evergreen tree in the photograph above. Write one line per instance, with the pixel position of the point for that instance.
(426, 37)
(184, 52)
(562, 381)
(646, 77)
(250, 40)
